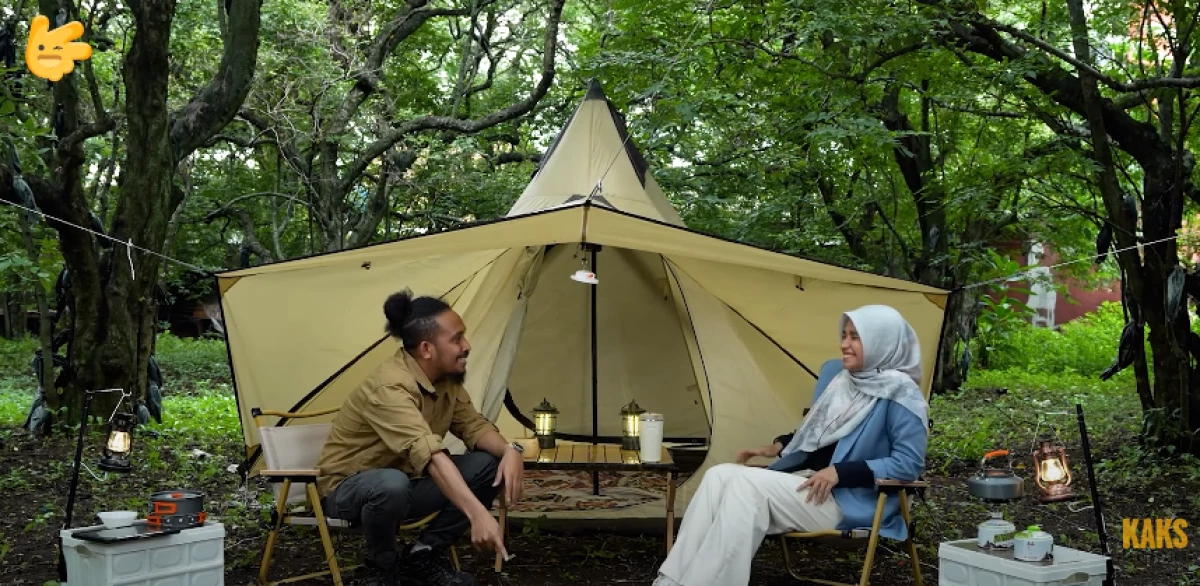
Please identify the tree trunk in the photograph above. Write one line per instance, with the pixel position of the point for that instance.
(958, 326)
(112, 285)
(14, 315)
(45, 333)
(1172, 417)
(931, 265)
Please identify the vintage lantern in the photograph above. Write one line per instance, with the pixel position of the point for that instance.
(545, 420)
(1053, 475)
(631, 426)
(116, 451)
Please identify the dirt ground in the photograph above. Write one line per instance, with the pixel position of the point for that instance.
(34, 484)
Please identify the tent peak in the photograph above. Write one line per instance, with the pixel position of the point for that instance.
(595, 90)
(593, 153)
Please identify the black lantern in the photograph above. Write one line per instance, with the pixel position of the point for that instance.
(631, 426)
(116, 450)
(545, 420)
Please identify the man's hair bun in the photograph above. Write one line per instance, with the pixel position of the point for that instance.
(397, 310)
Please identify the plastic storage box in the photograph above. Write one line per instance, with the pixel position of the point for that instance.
(963, 563)
(191, 557)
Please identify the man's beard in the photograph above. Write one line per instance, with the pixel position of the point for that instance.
(455, 377)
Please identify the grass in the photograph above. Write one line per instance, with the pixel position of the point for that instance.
(1009, 408)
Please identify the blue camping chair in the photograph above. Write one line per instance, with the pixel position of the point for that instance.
(853, 537)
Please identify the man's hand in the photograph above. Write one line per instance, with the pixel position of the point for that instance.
(511, 473)
(485, 535)
(819, 485)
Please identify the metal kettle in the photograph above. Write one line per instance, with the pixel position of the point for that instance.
(995, 484)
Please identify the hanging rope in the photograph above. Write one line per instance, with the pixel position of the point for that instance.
(129, 245)
(1028, 272)
(600, 182)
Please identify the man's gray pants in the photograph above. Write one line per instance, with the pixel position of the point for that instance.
(382, 498)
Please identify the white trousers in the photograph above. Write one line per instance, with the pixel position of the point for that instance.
(734, 509)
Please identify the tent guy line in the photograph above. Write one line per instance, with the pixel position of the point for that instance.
(127, 244)
(1028, 272)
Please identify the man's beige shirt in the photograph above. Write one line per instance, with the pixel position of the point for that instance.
(397, 419)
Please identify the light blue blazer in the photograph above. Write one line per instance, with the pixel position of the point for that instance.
(891, 440)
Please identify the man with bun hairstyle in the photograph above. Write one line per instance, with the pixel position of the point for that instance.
(384, 462)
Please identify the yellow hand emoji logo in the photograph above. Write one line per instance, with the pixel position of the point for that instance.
(50, 54)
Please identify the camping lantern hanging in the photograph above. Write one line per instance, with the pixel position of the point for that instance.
(630, 428)
(1053, 475)
(116, 450)
(545, 420)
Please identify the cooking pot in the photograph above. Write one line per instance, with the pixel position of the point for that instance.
(995, 484)
(176, 509)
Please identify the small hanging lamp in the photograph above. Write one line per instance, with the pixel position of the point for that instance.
(1053, 475)
(120, 443)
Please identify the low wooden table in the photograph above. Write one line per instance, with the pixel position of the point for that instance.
(607, 458)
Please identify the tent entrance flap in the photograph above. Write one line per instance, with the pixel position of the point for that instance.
(640, 352)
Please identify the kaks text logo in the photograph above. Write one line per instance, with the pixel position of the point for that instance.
(1162, 533)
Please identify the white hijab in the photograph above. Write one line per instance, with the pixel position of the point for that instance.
(891, 370)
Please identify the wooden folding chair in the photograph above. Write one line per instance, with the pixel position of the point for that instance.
(291, 454)
(871, 535)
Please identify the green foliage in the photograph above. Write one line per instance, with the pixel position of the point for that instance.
(190, 361)
(1000, 314)
(15, 356)
(1085, 346)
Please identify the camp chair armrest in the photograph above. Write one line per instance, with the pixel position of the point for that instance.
(293, 475)
(891, 484)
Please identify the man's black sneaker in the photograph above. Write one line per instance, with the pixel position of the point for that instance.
(374, 576)
(430, 567)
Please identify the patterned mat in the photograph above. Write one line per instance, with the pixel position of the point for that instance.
(551, 490)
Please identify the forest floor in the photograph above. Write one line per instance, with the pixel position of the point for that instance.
(200, 439)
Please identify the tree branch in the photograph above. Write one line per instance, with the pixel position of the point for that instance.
(247, 221)
(218, 102)
(367, 79)
(355, 169)
(226, 206)
(85, 132)
(246, 143)
(1138, 138)
(397, 164)
(290, 153)
(513, 157)
(1132, 86)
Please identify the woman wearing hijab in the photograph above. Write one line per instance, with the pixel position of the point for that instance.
(870, 423)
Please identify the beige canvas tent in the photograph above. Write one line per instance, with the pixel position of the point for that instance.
(720, 337)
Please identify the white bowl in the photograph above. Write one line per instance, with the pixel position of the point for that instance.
(118, 519)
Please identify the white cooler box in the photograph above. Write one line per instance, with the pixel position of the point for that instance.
(192, 557)
(963, 563)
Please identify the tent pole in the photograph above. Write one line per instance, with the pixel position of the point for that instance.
(595, 396)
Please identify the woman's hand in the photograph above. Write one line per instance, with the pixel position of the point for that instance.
(820, 485)
(766, 451)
